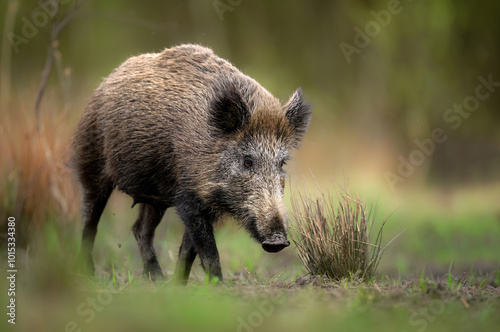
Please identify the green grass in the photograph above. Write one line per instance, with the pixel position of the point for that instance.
(108, 304)
(263, 292)
(118, 298)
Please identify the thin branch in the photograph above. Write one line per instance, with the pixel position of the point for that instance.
(55, 30)
(43, 83)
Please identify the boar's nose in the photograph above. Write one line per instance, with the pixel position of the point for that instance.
(275, 243)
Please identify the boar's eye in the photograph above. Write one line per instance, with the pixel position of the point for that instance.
(248, 163)
(282, 164)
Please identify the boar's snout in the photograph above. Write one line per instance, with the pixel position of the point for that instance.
(276, 243)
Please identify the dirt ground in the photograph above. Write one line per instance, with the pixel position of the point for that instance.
(404, 290)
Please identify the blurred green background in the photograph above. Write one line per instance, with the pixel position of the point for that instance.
(369, 107)
(382, 76)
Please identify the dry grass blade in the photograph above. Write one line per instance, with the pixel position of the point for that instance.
(334, 240)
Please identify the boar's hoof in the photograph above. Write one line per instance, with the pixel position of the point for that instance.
(85, 265)
(153, 274)
(275, 245)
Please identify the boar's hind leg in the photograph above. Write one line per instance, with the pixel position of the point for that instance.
(187, 254)
(144, 231)
(93, 203)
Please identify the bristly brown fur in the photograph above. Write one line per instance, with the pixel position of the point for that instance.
(185, 128)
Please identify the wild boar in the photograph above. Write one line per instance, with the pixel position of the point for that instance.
(184, 128)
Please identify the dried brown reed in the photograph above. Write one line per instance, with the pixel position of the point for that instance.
(35, 183)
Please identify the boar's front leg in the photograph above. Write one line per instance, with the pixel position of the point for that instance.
(202, 234)
(200, 228)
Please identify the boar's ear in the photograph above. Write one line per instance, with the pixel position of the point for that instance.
(229, 111)
(298, 114)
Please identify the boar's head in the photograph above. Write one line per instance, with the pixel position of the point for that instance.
(258, 137)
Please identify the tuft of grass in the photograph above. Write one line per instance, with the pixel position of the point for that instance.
(335, 239)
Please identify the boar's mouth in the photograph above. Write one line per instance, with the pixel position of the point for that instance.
(276, 243)
(273, 243)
